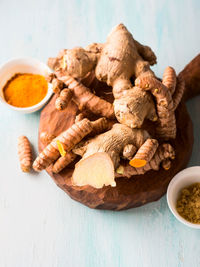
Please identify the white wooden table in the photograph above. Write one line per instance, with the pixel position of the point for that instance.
(39, 224)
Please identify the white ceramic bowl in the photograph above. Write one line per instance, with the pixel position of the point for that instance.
(23, 65)
(182, 179)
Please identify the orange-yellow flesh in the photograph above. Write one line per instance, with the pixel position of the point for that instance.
(61, 148)
(166, 168)
(120, 170)
(96, 170)
(64, 62)
(137, 163)
(25, 90)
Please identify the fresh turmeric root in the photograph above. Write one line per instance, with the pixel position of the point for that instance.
(166, 164)
(62, 162)
(145, 153)
(163, 156)
(86, 99)
(168, 95)
(46, 137)
(63, 99)
(57, 85)
(62, 144)
(166, 125)
(61, 148)
(24, 153)
(68, 138)
(165, 151)
(99, 126)
(79, 117)
(178, 94)
(169, 79)
(175, 85)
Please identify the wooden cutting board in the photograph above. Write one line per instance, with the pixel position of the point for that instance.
(128, 193)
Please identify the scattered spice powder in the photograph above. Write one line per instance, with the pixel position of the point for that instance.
(25, 90)
(188, 204)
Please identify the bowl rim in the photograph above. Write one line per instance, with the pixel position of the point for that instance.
(28, 60)
(180, 175)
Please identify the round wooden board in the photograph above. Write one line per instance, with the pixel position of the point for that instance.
(128, 193)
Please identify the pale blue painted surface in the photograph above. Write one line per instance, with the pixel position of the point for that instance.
(39, 224)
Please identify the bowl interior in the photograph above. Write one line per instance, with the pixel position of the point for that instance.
(22, 65)
(183, 179)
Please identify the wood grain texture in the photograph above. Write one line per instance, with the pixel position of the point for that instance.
(39, 225)
(129, 193)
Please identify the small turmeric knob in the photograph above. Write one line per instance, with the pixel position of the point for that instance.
(57, 85)
(46, 138)
(24, 153)
(63, 99)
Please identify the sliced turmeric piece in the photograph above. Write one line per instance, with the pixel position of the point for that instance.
(144, 154)
(61, 148)
(137, 163)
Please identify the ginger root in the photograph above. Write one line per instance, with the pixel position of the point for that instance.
(114, 63)
(24, 153)
(121, 58)
(105, 149)
(128, 151)
(134, 106)
(117, 62)
(96, 170)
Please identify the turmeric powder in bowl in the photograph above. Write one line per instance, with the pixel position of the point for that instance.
(25, 90)
(188, 203)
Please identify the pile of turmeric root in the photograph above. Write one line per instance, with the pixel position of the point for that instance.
(118, 133)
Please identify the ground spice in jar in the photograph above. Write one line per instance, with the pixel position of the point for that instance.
(188, 204)
(25, 90)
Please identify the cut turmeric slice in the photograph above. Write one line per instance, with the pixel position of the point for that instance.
(61, 148)
(137, 163)
(64, 62)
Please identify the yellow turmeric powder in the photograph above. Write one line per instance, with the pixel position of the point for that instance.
(188, 204)
(25, 90)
